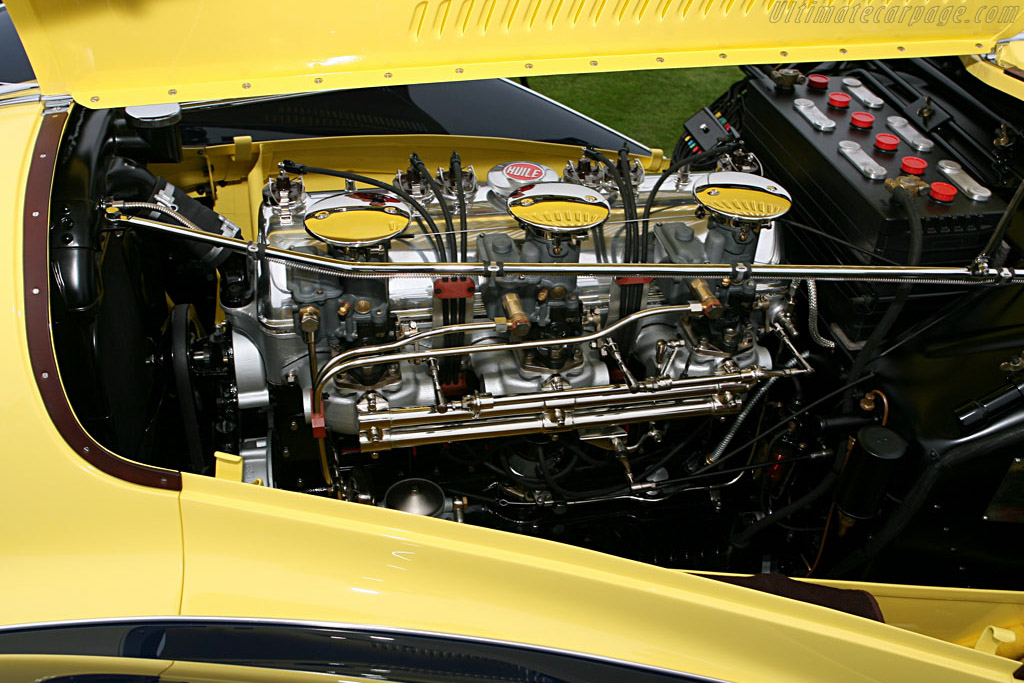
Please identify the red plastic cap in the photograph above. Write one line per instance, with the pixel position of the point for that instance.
(913, 165)
(942, 192)
(817, 81)
(839, 100)
(887, 142)
(861, 119)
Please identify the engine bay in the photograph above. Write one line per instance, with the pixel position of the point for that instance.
(793, 345)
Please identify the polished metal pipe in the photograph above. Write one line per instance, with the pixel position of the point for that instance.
(326, 375)
(757, 271)
(425, 415)
(481, 407)
(378, 439)
(405, 341)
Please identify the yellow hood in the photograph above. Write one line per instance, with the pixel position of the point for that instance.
(108, 53)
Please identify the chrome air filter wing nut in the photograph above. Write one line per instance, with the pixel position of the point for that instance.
(742, 196)
(559, 209)
(359, 218)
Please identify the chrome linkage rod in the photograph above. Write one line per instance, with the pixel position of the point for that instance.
(736, 272)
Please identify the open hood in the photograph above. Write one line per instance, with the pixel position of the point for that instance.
(108, 53)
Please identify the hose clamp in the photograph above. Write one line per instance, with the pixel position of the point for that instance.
(165, 197)
(257, 251)
(740, 272)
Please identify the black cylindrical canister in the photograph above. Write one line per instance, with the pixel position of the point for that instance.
(867, 473)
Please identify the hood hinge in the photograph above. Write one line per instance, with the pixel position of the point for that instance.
(53, 104)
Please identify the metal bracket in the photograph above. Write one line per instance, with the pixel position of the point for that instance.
(255, 251)
(914, 138)
(740, 273)
(863, 93)
(165, 196)
(992, 637)
(979, 266)
(861, 161)
(815, 116)
(963, 180)
(55, 104)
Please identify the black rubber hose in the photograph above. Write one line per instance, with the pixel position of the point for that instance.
(892, 313)
(674, 168)
(460, 195)
(613, 170)
(741, 539)
(629, 201)
(838, 240)
(1004, 223)
(866, 355)
(435, 240)
(639, 244)
(445, 368)
(576, 495)
(917, 496)
(629, 301)
(446, 210)
(634, 292)
(299, 169)
(672, 452)
(599, 245)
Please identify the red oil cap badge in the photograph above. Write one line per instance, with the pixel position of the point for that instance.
(523, 171)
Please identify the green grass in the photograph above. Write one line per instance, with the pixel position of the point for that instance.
(649, 106)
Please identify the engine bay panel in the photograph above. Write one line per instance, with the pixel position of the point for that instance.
(728, 359)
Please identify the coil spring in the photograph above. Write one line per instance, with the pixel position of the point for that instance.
(330, 272)
(812, 313)
(153, 206)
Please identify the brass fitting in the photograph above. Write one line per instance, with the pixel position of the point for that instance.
(518, 323)
(363, 306)
(309, 319)
(343, 309)
(926, 111)
(911, 183)
(1004, 139)
(542, 294)
(709, 303)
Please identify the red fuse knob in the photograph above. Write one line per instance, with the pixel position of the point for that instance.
(942, 192)
(817, 81)
(861, 119)
(887, 142)
(839, 100)
(913, 165)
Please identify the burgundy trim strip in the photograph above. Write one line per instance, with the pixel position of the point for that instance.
(37, 320)
(1017, 73)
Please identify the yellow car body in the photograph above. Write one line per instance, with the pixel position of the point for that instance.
(82, 543)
